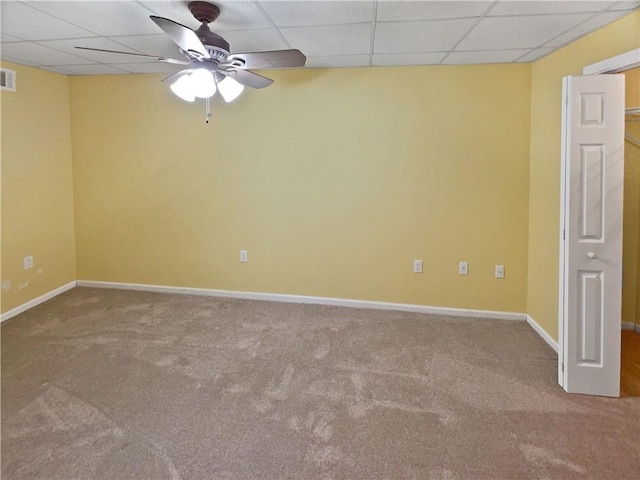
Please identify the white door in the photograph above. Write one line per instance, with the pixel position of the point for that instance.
(591, 234)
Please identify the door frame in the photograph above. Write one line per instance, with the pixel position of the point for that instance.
(617, 64)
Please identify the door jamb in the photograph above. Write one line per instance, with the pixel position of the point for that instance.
(619, 63)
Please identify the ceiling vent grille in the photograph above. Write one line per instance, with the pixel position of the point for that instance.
(7, 79)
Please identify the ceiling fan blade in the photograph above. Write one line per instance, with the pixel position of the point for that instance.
(271, 59)
(250, 79)
(160, 59)
(183, 36)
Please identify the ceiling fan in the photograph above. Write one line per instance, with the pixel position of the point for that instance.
(211, 66)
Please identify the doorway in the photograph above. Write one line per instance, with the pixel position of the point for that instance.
(630, 345)
(589, 330)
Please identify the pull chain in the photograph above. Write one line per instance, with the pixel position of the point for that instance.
(207, 104)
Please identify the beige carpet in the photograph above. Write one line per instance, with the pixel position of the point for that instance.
(107, 384)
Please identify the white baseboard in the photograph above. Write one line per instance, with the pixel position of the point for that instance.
(338, 302)
(540, 331)
(631, 326)
(36, 301)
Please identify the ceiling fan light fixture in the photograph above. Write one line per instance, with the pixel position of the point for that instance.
(182, 88)
(230, 89)
(202, 83)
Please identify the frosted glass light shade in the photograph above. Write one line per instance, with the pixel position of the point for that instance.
(182, 88)
(230, 89)
(202, 83)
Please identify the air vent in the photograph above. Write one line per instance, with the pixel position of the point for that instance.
(7, 79)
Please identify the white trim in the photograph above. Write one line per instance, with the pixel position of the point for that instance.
(563, 258)
(628, 325)
(541, 331)
(36, 301)
(619, 63)
(637, 329)
(338, 302)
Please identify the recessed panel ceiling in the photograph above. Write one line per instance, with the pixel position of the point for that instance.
(404, 11)
(68, 46)
(39, 55)
(159, 45)
(298, 14)
(548, 7)
(535, 54)
(487, 56)
(330, 40)
(257, 41)
(332, 33)
(9, 38)
(588, 26)
(101, 17)
(498, 33)
(406, 37)
(23, 21)
(399, 59)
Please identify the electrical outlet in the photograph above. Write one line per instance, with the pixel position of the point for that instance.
(499, 271)
(463, 268)
(417, 266)
(243, 256)
(27, 262)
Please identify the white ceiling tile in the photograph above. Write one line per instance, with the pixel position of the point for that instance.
(433, 58)
(590, 25)
(511, 7)
(410, 37)
(40, 55)
(393, 11)
(535, 54)
(297, 14)
(234, 15)
(338, 61)
(60, 70)
(153, 67)
(518, 32)
(255, 40)
(625, 5)
(90, 70)
(495, 56)
(330, 40)
(103, 18)
(18, 60)
(22, 21)
(331, 33)
(68, 46)
(9, 38)
(159, 45)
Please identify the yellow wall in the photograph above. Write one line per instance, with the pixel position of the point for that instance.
(333, 180)
(544, 182)
(37, 187)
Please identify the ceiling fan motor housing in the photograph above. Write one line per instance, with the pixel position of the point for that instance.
(204, 12)
(212, 40)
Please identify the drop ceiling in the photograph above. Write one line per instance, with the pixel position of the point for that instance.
(43, 34)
